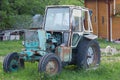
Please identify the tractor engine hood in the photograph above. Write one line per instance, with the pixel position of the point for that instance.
(35, 40)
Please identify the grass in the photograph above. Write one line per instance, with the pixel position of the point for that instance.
(7, 47)
(104, 43)
(109, 71)
(106, 71)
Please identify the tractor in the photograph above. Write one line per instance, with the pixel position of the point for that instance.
(66, 38)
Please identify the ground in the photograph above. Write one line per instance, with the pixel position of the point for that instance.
(109, 68)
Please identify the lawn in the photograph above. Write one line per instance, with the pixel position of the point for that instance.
(108, 70)
(104, 43)
(7, 47)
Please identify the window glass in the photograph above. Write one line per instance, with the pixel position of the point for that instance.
(57, 19)
(77, 20)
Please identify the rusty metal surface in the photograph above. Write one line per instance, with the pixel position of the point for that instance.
(64, 53)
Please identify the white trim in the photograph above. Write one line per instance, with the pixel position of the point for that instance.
(114, 9)
(111, 39)
(111, 34)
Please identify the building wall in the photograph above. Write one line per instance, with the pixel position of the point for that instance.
(92, 4)
(102, 19)
(115, 21)
(107, 25)
(116, 28)
(99, 17)
(117, 1)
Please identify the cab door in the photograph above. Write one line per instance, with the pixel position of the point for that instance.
(77, 26)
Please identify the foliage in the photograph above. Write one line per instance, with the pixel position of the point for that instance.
(117, 14)
(72, 2)
(11, 8)
(22, 21)
(117, 11)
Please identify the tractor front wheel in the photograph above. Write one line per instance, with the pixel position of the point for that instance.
(50, 64)
(12, 62)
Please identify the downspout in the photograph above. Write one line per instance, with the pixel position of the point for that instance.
(107, 20)
(109, 25)
(97, 17)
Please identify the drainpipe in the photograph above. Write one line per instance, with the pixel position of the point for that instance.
(97, 18)
(109, 25)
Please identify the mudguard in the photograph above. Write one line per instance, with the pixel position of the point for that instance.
(91, 36)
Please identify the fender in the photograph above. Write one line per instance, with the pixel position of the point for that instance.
(91, 36)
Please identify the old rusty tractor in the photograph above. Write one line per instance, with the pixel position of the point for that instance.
(66, 38)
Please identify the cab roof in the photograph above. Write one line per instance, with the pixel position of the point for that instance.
(69, 6)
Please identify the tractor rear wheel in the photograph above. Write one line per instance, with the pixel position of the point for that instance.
(50, 64)
(88, 54)
(12, 62)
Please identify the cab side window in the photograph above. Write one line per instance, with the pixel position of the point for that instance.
(76, 20)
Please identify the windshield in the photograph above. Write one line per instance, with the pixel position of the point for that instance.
(31, 36)
(57, 19)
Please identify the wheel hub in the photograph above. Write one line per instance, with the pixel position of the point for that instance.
(51, 67)
(90, 56)
(14, 65)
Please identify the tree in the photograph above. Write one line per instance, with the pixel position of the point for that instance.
(72, 2)
(10, 9)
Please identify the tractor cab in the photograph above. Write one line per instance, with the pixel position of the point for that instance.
(66, 18)
(69, 21)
